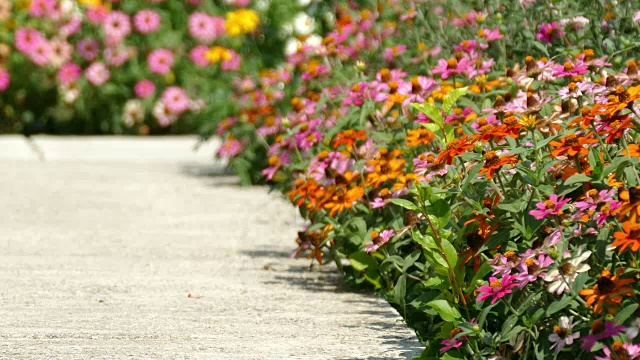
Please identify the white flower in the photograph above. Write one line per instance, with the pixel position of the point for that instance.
(303, 24)
(292, 46)
(562, 278)
(562, 333)
(634, 329)
(132, 113)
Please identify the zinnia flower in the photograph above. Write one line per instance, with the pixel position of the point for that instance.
(160, 61)
(379, 239)
(175, 99)
(550, 207)
(497, 288)
(562, 333)
(5, 79)
(97, 73)
(146, 21)
(69, 73)
(144, 88)
(629, 238)
(600, 331)
(621, 351)
(562, 278)
(608, 292)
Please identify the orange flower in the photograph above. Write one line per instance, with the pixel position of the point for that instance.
(616, 128)
(630, 237)
(454, 148)
(417, 137)
(631, 204)
(384, 171)
(314, 241)
(303, 190)
(634, 151)
(608, 292)
(571, 145)
(340, 199)
(348, 138)
(493, 162)
(488, 132)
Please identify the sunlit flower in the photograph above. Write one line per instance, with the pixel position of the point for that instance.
(562, 278)
(607, 293)
(562, 335)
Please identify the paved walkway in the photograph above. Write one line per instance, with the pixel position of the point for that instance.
(138, 248)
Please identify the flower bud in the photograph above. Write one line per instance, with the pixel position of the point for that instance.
(479, 282)
(566, 223)
(609, 317)
(286, 123)
(553, 252)
(479, 147)
(476, 328)
(360, 65)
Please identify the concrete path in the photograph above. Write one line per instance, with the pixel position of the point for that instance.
(138, 248)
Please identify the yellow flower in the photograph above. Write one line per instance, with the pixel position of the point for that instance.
(90, 3)
(217, 54)
(241, 21)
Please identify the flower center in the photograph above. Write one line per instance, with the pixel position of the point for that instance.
(385, 75)
(495, 284)
(571, 140)
(511, 256)
(452, 63)
(568, 66)
(572, 87)
(491, 158)
(597, 327)
(560, 331)
(621, 353)
(634, 195)
(634, 231)
(455, 332)
(606, 285)
(454, 144)
(549, 204)
(567, 269)
(475, 241)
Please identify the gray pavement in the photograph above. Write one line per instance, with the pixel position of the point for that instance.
(139, 248)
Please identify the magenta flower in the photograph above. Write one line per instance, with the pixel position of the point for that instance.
(69, 73)
(600, 332)
(456, 340)
(447, 68)
(88, 48)
(547, 32)
(26, 39)
(146, 21)
(551, 207)
(205, 28)
(230, 148)
(497, 288)
(144, 88)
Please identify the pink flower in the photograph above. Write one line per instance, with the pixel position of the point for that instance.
(491, 34)
(146, 21)
(392, 52)
(175, 99)
(633, 351)
(160, 61)
(609, 329)
(69, 73)
(231, 64)
(562, 333)
(97, 73)
(72, 27)
(452, 66)
(144, 88)
(205, 28)
(380, 240)
(41, 53)
(5, 79)
(547, 32)
(43, 8)
(198, 56)
(88, 48)
(497, 288)
(97, 14)
(61, 52)
(230, 148)
(551, 207)
(456, 339)
(117, 25)
(116, 56)
(26, 39)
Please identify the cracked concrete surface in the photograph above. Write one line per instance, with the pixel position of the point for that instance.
(129, 248)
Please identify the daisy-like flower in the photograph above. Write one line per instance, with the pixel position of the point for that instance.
(533, 268)
(117, 25)
(630, 237)
(205, 28)
(97, 73)
(497, 288)
(160, 61)
(493, 162)
(88, 48)
(379, 239)
(144, 88)
(562, 335)
(5, 79)
(620, 351)
(562, 278)
(631, 204)
(69, 73)
(550, 207)
(455, 341)
(175, 99)
(600, 330)
(607, 293)
(146, 21)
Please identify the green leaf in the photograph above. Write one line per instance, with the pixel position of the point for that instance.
(577, 179)
(450, 252)
(452, 97)
(441, 210)
(400, 290)
(509, 324)
(430, 110)
(409, 260)
(405, 204)
(446, 311)
(558, 305)
(624, 314)
(484, 269)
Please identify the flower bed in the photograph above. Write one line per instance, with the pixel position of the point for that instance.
(480, 171)
(128, 66)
